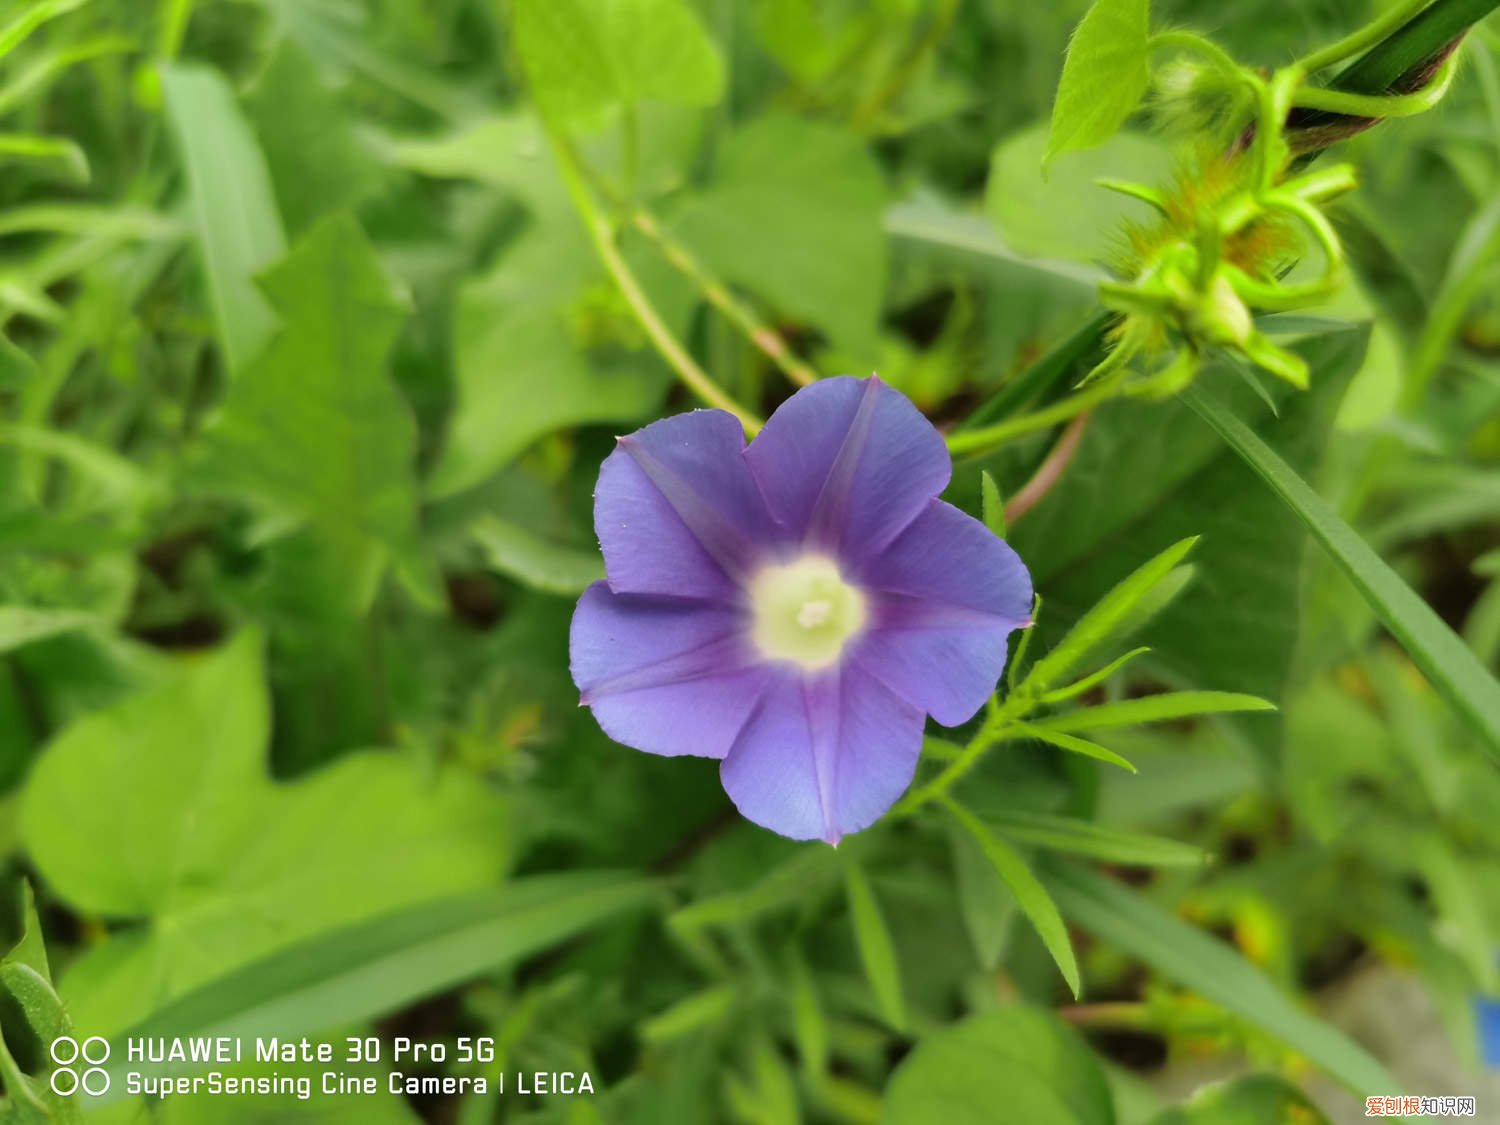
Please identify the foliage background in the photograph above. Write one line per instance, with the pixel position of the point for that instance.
(308, 366)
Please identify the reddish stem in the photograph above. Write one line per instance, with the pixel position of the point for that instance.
(1049, 472)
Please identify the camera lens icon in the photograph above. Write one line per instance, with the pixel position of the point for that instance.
(67, 1051)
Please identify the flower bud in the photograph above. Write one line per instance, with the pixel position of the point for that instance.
(1220, 316)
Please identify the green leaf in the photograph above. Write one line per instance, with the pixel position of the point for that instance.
(987, 906)
(876, 951)
(1064, 213)
(1104, 77)
(933, 223)
(1125, 499)
(21, 625)
(1072, 744)
(1025, 1060)
(993, 507)
(316, 163)
(70, 161)
(33, 1017)
(1136, 926)
(1444, 659)
(391, 960)
(785, 885)
(1154, 709)
(809, 1022)
(526, 323)
(793, 213)
(1084, 837)
(1031, 896)
(691, 1015)
(1253, 1100)
(1099, 623)
(159, 809)
(316, 430)
(584, 58)
(18, 30)
(117, 480)
(533, 561)
(1094, 679)
(233, 206)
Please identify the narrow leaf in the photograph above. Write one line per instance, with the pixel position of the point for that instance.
(21, 625)
(234, 208)
(876, 950)
(1093, 679)
(808, 1021)
(377, 966)
(1095, 626)
(994, 506)
(1154, 709)
(533, 561)
(690, 1015)
(1084, 837)
(1444, 659)
(1072, 744)
(1134, 925)
(1031, 896)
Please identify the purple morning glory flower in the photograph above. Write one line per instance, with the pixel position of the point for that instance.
(793, 607)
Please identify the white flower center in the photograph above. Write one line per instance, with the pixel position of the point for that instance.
(804, 611)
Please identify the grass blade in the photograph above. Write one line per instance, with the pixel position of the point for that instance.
(1031, 896)
(1135, 925)
(1444, 659)
(373, 967)
(1155, 709)
(233, 207)
(876, 950)
(1099, 623)
(1073, 745)
(1084, 837)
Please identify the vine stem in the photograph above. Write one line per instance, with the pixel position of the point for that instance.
(1379, 105)
(602, 234)
(762, 335)
(1050, 472)
(992, 732)
(988, 437)
(1199, 45)
(1357, 42)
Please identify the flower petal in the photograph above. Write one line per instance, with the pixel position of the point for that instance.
(668, 677)
(823, 757)
(846, 463)
(677, 511)
(947, 593)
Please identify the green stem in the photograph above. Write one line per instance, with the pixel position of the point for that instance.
(1379, 105)
(988, 437)
(993, 731)
(602, 234)
(1199, 45)
(1358, 42)
(1401, 56)
(765, 338)
(1040, 378)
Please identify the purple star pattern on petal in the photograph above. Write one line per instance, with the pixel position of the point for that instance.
(796, 606)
